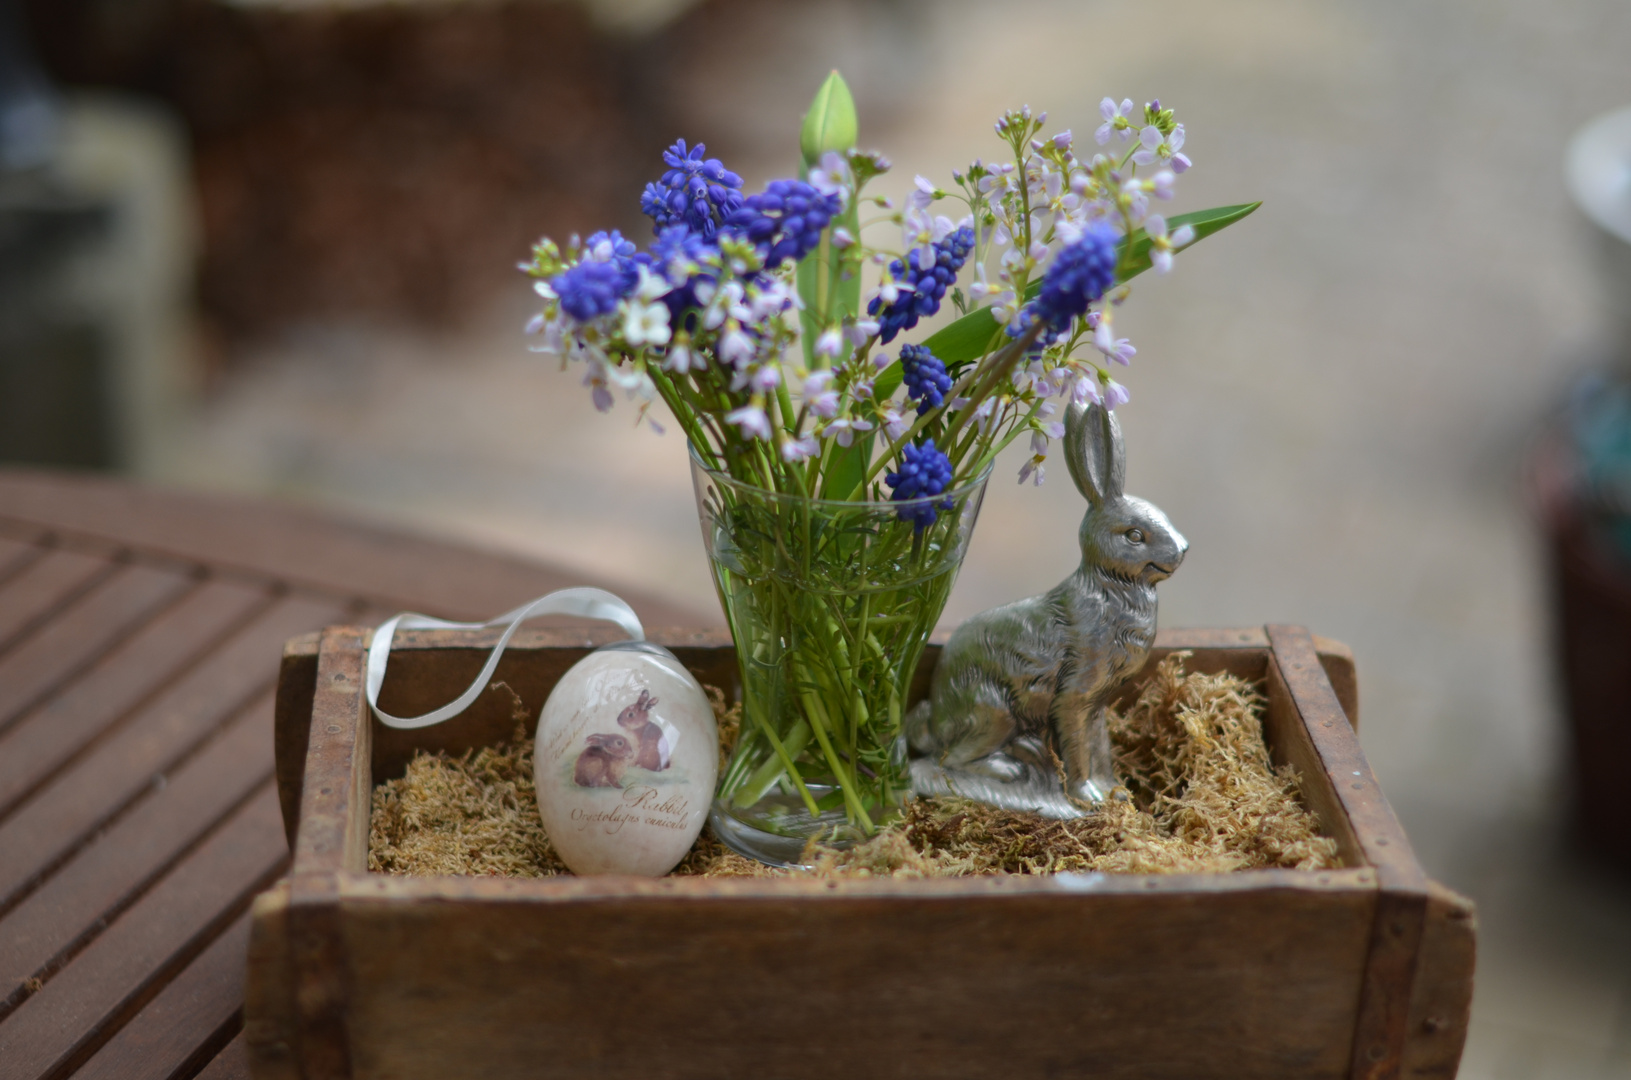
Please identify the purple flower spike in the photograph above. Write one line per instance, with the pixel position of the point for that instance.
(1081, 274)
(924, 375)
(922, 288)
(924, 473)
(592, 289)
(695, 192)
(785, 220)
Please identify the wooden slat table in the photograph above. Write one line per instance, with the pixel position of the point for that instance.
(140, 633)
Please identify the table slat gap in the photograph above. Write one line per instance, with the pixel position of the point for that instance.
(125, 767)
(232, 1063)
(19, 549)
(61, 918)
(187, 1024)
(63, 730)
(95, 624)
(45, 587)
(56, 1029)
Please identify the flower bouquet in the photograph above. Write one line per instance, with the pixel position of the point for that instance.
(839, 468)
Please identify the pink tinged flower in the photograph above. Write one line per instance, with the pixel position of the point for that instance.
(799, 449)
(1115, 120)
(923, 194)
(599, 393)
(1162, 245)
(1054, 429)
(822, 398)
(857, 333)
(1159, 149)
(1062, 140)
(751, 421)
(844, 430)
(680, 358)
(1087, 390)
(1118, 349)
(766, 379)
(1114, 394)
(534, 324)
(830, 344)
(1033, 465)
(1161, 184)
(831, 176)
(554, 340)
(841, 238)
(1138, 203)
(894, 424)
(881, 361)
(735, 347)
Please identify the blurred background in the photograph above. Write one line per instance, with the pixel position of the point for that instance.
(268, 248)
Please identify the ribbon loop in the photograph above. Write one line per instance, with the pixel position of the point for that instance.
(586, 602)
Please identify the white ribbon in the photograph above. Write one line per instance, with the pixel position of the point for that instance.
(586, 602)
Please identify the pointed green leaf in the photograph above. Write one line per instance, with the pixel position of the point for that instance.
(889, 380)
(971, 337)
(1204, 222)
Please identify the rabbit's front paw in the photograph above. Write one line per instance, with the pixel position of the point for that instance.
(997, 766)
(1084, 791)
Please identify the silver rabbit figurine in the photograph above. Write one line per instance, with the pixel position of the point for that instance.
(1021, 690)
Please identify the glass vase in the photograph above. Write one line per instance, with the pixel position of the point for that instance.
(829, 605)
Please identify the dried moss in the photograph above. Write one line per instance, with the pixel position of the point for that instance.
(1201, 796)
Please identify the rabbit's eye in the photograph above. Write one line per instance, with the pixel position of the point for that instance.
(1134, 536)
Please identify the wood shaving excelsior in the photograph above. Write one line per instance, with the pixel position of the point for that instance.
(1201, 796)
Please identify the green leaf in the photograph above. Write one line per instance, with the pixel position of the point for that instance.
(831, 123)
(967, 339)
(846, 468)
(890, 378)
(1204, 222)
(970, 337)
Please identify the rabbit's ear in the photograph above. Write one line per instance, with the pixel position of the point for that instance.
(1093, 451)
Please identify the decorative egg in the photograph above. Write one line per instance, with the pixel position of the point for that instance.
(626, 758)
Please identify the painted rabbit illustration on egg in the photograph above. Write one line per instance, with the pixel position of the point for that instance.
(607, 757)
(1016, 712)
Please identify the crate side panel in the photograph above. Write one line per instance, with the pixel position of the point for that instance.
(1441, 999)
(1244, 984)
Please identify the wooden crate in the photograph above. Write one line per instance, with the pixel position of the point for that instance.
(1361, 972)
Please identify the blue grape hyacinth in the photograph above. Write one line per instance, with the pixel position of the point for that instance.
(925, 378)
(696, 192)
(592, 288)
(684, 260)
(924, 473)
(785, 220)
(1082, 273)
(928, 287)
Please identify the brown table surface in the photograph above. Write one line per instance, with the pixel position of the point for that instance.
(140, 632)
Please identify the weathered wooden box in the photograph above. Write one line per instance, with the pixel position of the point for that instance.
(1359, 972)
